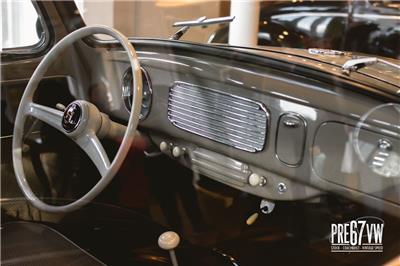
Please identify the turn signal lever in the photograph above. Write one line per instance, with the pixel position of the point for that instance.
(169, 241)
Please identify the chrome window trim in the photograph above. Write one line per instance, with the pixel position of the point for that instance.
(35, 48)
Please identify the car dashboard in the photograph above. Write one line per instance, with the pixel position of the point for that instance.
(263, 130)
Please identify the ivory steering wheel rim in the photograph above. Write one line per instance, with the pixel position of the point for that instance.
(91, 144)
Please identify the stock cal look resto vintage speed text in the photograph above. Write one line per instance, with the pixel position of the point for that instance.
(183, 132)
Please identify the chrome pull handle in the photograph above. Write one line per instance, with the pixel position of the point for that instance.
(291, 122)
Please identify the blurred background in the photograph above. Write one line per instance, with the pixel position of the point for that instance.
(371, 27)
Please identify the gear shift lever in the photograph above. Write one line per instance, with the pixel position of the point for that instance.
(169, 241)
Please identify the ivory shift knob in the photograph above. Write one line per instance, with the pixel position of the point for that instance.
(168, 240)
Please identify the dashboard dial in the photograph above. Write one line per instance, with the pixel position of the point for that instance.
(382, 154)
(147, 92)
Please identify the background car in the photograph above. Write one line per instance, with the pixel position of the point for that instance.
(371, 27)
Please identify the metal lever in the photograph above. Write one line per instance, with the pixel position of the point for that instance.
(177, 35)
(291, 122)
(60, 107)
(209, 21)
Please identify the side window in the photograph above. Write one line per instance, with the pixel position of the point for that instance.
(21, 26)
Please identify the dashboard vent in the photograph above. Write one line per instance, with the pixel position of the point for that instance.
(219, 116)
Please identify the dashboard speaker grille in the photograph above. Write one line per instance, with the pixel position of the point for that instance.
(222, 117)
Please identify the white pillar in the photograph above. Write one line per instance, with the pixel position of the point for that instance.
(243, 30)
(97, 12)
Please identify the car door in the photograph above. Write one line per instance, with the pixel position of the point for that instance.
(28, 35)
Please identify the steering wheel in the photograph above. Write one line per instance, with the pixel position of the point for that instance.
(81, 121)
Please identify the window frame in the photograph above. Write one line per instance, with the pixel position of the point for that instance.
(36, 49)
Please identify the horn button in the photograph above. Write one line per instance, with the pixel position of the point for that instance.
(72, 117)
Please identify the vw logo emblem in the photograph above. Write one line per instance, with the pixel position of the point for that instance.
(71, 117)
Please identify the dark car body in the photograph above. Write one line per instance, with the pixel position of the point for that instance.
(371, 27)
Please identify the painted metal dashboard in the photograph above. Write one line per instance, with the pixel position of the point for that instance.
(272, 133)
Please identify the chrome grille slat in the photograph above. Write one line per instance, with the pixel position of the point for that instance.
(204, 133)
(214, 130)
(233, 128)
(222, 116)
(221, 101)
(219, 116)
(221, 107)
(211, 94)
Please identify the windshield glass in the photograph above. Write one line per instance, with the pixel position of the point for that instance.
(152, 19)
(369, 27)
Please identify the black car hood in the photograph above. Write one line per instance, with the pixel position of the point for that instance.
(333, 63)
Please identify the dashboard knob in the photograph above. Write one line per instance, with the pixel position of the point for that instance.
(177, 151)
(164, 146)
(257, 180)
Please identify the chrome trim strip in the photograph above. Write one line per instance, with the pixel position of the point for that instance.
(229, 119)
(202, 154)
(219, 170)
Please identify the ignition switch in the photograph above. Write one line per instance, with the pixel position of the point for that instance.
(267, 206)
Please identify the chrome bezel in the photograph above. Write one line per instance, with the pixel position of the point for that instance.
(304, 121)
(127, 90)
(230, 142)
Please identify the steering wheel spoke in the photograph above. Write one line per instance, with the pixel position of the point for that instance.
(46, 114)
(95, 150)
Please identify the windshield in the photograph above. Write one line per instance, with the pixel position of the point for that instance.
(369, 27)
(152, 19)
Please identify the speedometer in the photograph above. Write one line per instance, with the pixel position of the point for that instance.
(147, 92)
